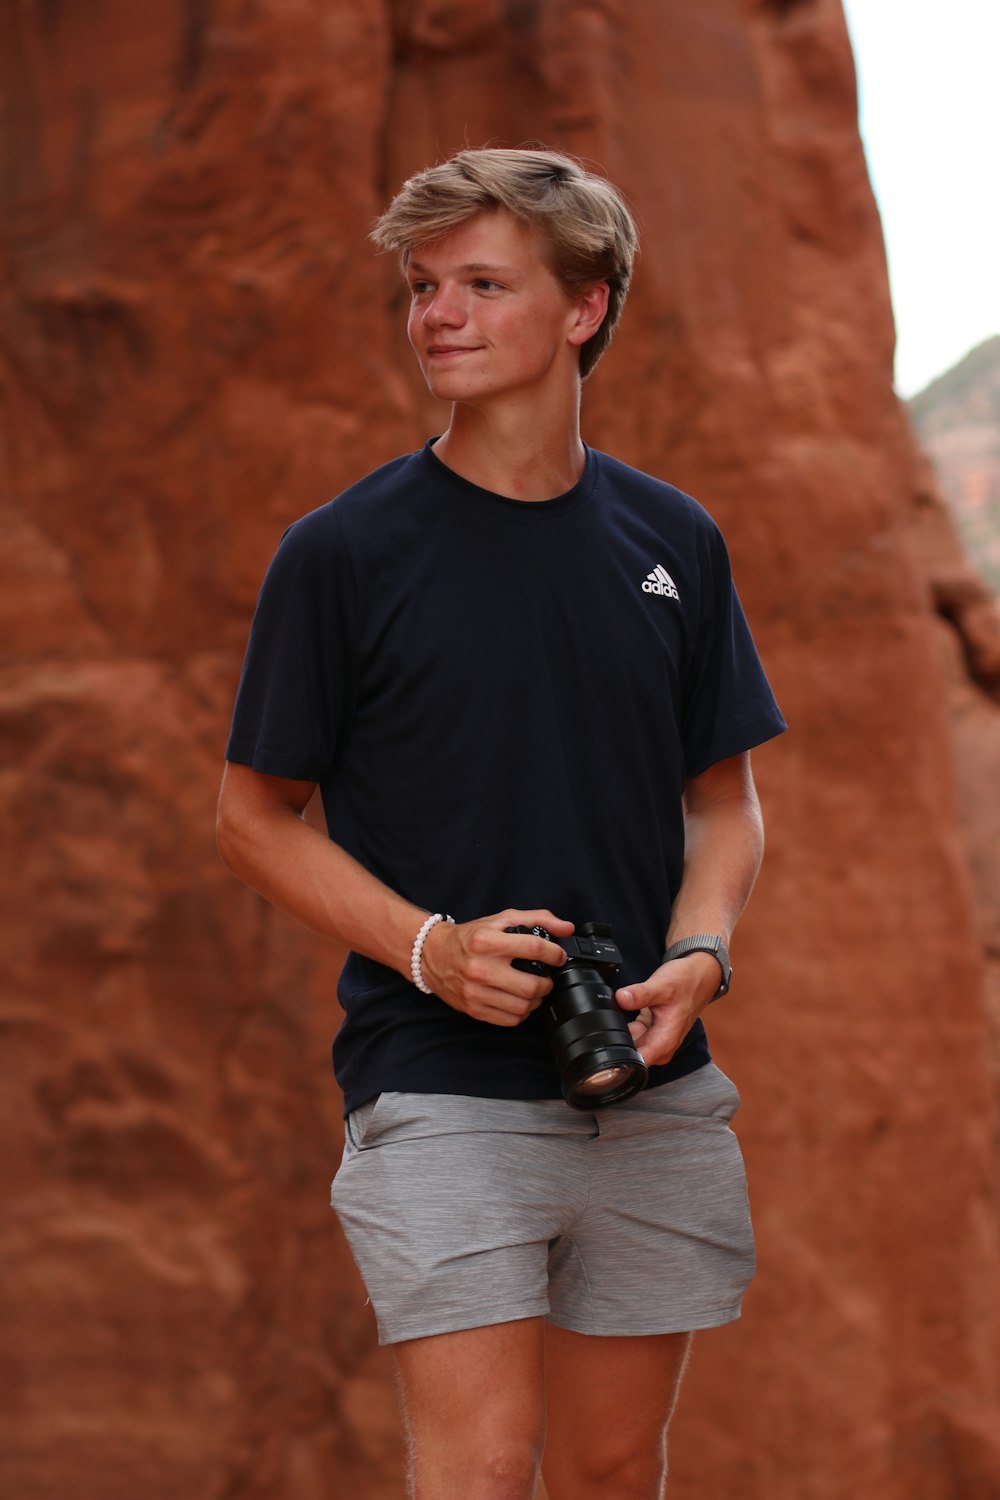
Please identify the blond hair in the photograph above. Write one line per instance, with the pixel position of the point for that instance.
(587, 232)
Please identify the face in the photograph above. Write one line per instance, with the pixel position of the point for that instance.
(488, 319)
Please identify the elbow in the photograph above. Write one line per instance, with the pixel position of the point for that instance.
(755, 818)
(227, 834)
(752, 820)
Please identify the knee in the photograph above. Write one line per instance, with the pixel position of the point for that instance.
(626, 1476)
(500, 1470)
(507, 1471)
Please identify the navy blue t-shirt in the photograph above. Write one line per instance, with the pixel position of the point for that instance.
(501, 701)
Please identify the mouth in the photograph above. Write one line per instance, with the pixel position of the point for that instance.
(449, 351)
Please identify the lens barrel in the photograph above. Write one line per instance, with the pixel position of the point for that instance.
(596, 1058)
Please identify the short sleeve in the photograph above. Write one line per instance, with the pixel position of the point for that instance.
(728, 706)
(299, 673)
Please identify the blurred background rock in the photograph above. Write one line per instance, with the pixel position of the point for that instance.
(957, 421)
(197, 345)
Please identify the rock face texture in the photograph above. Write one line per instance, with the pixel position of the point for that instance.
(196, 345)
(957, 421)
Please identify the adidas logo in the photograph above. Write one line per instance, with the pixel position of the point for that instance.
(660, 582)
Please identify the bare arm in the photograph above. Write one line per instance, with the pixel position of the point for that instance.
(723, 847)
(263, 839)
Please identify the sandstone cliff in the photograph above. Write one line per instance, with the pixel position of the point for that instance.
(957, 422)
(196, 345)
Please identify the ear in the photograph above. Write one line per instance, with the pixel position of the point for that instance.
(590, 309)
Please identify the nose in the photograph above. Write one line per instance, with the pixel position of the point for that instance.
(446, 309)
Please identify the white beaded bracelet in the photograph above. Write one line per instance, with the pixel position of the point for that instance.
(418, 948)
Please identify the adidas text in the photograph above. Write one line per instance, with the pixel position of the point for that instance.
(660, 582)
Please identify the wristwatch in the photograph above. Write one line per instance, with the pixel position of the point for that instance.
(705, 942)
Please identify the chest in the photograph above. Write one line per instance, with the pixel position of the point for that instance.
(611, 616)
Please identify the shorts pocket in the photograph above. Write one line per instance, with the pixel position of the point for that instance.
(705, 1094)
(358, 1125)
(722, 1095)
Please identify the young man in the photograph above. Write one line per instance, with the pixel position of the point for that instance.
(521, 677)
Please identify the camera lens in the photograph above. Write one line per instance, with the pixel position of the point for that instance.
(597, 1060)
(603, 1079)
(594, 1054)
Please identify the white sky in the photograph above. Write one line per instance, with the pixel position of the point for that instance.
(929, 84)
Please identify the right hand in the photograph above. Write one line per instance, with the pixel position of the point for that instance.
(468, 965)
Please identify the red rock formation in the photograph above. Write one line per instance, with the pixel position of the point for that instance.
(957, 422)
(196, 345)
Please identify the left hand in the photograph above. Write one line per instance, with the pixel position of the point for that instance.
(669, 1002)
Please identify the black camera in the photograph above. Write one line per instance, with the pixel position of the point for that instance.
(595, 1056)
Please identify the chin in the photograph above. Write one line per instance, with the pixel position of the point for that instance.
(453, 389)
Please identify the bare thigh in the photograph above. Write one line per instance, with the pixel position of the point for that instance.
(479, 1405)
(474, 1411)
(609, 1402)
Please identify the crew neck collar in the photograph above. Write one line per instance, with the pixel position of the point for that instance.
(557, 505)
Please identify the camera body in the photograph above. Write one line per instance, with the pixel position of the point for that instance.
(597, 1060)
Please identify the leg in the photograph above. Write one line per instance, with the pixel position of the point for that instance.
(473, 1411)
(610, 1401)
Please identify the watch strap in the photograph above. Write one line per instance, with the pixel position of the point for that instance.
(704, 942)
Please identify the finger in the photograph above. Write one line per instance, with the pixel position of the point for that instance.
(660, 1042)
(639, 1027)
(498, 1007)
(496, 959)
(538, 917)
(499, 977)
(527, 945)
(496, 1017)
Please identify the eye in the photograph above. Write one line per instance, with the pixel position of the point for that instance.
(419, 287)
(484, 284)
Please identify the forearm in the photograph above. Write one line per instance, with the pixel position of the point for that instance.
(263, 840)
(300, 870)
(723, 848)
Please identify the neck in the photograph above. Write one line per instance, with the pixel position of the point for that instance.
(524, 460)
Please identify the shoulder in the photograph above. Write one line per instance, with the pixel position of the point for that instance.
(364, 505)
(631, 492)
(343, 536)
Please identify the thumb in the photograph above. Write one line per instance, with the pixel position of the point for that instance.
(633, 997)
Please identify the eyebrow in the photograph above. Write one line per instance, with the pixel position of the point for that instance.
(472, 265)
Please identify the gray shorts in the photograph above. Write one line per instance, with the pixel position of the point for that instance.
(462, 1212)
